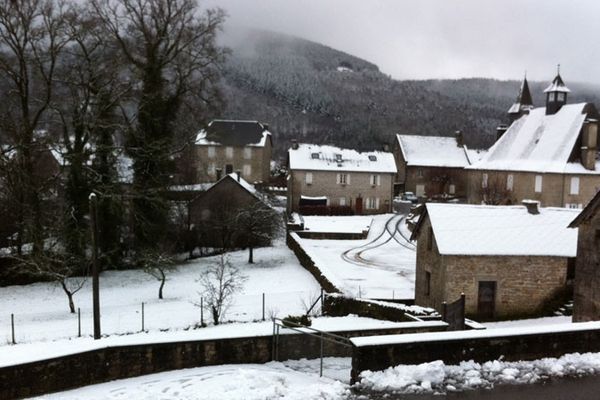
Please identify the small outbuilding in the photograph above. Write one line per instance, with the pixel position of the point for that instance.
(586, 305)
(510, 261)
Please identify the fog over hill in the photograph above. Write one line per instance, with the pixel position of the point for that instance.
(314, 93)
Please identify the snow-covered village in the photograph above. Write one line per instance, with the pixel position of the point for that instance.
(333, 200)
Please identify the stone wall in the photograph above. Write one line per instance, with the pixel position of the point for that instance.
(338, 306)
(480, 349)
(324, 183)
(556, 188)
(259, 162)
(586, 305)
(119, 362)
(309, 264)
(525, 284)
(333, 235)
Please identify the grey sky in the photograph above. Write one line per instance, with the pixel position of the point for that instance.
(443, 38)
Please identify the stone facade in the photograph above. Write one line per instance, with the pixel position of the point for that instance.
(376, 198)
(253, 162)
(586, 305)
(524, 284)
(552, 190)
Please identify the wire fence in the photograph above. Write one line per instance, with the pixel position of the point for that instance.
(148, 316)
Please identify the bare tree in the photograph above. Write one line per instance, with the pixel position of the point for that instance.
(157, 264)
(219, 283)
(495, 191)
(32, 38)
(255, 225)
(170, 45)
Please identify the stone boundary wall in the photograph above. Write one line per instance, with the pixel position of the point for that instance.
(127, 361)
(309, 264)
(515, 347)
(332, 235)
(339, 306)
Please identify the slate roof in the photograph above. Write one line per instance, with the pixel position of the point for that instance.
(313, 157)
(588, 212)
(538, 142)
(234, 133)
(481, 230)
(432, 151)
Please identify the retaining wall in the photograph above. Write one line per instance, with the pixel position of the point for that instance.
(118, 362)
(309, 264)
(480, 346)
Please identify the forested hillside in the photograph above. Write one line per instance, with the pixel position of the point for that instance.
(314, 93)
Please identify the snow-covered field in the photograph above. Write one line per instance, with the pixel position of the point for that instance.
(381, 266)
(41, 309)
(276, 380)
(338, 224)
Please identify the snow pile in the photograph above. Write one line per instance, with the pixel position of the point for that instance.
(440, 378)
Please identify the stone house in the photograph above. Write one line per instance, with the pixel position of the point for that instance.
(332, 180)
(432, 166)
(549, 154)
(586, 306)
(228, 146)
(509, 261)
(212, 213)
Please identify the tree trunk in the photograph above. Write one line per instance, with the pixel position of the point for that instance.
(69, 296)
(215, 314)
(162, 284)
(250, 255)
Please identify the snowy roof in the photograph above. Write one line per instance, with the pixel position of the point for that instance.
(538, 142)
(466, 229)
(557, 85)
(432, 151)
(329, 158)
(234, 133)
(241, 182)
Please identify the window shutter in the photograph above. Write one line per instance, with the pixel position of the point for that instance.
(309, 177)
(339, 178)
(574, 185)
(538, 183)
(377, 203)
(347, 179)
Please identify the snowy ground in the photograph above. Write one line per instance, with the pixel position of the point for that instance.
(287, 380)
(41, 310)
(529, 322)
(338, 224)
(381, 266)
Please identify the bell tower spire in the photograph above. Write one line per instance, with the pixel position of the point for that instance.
(524, 102)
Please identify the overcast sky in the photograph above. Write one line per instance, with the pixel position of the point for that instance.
(421, 39)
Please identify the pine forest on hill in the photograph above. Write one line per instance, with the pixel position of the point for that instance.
(314, 93)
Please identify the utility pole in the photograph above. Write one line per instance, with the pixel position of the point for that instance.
(95, 281)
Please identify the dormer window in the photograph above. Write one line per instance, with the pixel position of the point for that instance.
(314, 156)
(372, 158)
(338, 157)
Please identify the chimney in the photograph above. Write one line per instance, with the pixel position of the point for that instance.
(589, 144)
(294, 144)
(533, 206)
(219, 172)
(239, 175)
(460, 142)
(500, 131)
(265, 127)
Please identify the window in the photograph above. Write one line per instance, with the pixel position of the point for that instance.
(574, 185)
(375, 180)
(560, 96)
(372, 203)
(229, 152)
(420, 190)
(211, 151)
(451, 189)
(430, 239)
(372, 158)
(510, 182)
(538, 184)
(552, 96)
(343, 179)
(342, 201)
(247, 170)
(427, 283)
(247, 153)
(308, 178)
(314, 156)
(212, 169)
(420, 172)
(484, 181)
